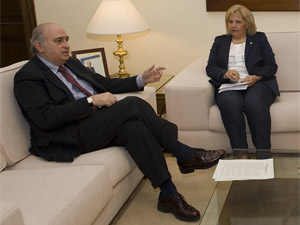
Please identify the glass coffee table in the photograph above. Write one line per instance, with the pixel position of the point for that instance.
(259, 202)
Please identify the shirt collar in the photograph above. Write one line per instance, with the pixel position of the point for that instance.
(52, 66)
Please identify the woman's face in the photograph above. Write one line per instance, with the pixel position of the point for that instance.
(237, 26)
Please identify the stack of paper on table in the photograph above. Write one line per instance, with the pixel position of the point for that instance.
(244, 169)
(233, 86)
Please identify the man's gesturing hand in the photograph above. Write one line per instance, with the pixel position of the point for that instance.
(153, 74)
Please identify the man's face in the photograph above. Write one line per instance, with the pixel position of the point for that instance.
(55, 47)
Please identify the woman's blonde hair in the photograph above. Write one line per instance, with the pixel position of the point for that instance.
(246, 14)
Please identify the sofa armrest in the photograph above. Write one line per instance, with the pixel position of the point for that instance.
(148, 95)
(189, 96)
(10, 214)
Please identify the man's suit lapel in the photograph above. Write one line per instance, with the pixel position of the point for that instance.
(80, 73)
(49, 75)
(84, 76)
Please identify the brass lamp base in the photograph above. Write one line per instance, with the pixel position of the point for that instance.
(121, 53)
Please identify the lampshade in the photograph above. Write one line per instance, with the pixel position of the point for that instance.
(117, 17)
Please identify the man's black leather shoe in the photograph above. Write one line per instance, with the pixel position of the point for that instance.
(202, 159)
(179, 207)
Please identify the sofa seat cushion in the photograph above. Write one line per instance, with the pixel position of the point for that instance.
(215, 122)
(285, 113)
(69, 196)
(2, 161)
(10, 214)
(116, 159)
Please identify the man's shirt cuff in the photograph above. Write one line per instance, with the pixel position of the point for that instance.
(139, 81)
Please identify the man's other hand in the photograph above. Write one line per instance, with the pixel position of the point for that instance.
(104, 99)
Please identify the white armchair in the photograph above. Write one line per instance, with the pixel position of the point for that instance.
(190, 101)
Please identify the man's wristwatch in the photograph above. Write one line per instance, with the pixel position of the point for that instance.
(90, 101)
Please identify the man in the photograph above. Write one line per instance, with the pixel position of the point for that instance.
(89, 66)
(67, 120)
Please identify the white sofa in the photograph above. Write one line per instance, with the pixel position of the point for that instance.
(190, 101)
(90, 190)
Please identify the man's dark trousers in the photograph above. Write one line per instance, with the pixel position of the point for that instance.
(132, 123)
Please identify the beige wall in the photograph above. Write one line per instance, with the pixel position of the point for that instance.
(181, 30)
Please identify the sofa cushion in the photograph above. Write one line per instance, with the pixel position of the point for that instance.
(14, 134)
(286, 47)
(69, 196)
(215, 122)
(285, 113)
(148, 95)
(10, 214)
(2, 161)
(116, 159)
(184, 92)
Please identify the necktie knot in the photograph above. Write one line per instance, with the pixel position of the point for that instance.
(61, 69)
(72, 80)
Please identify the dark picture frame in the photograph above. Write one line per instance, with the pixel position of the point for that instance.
(95, 57)
(254, 5)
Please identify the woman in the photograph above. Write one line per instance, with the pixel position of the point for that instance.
(244, 55)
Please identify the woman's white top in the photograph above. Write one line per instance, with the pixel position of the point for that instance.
(236, 59)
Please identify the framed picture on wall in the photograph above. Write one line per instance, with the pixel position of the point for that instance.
(254, 5)
(94, 59)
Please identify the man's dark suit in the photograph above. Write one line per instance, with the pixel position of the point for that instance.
(62, 128)
(256, 100)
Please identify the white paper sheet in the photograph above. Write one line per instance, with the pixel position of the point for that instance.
(244, 169)
(233, 86)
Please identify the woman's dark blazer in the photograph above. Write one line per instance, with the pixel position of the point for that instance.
(51, 110)
(259, 60)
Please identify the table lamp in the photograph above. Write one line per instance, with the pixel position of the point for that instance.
(116, 17)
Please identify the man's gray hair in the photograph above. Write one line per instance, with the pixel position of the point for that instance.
(37, 35)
